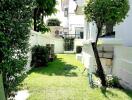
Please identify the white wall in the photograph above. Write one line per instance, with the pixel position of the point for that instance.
(86, 30)
(88, 57)
(59, 46)
(72, 6)
(37, 38)
(76, 19)
(77, 42)
(80, 2)
(123, 65)
(124, 30)
(123, 54)
(73, 19)
(90, 30)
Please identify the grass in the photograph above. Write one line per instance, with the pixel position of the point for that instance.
(2, 95)
(63, 80)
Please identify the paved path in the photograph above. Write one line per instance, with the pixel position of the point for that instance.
(22, 95)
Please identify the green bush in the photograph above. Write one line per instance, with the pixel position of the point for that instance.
(15, 22)
(40, 56)
(113, 81)
(53, 22)
(79, 49)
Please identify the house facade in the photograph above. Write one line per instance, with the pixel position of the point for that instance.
(115, 51)
(71, 32)
(74, 29)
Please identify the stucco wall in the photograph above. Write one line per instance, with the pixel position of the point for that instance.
(89, 62)
(73, 19)
(123, 54)
(37, 38)
(87, 56)
(123, 65)
(124, 29)
(78, 42)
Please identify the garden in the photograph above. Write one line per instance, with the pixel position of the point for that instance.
(64, 79)
(52, 77)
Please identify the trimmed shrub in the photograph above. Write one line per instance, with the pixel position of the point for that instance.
(78, 49)
(53, 22)
(40, 56)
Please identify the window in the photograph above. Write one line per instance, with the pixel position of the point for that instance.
(81, 35)
(66, 12)
(79, 32)
(50, 48)
(57, 33)
(69, 44)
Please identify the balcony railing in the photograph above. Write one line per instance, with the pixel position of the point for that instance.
(73, 36)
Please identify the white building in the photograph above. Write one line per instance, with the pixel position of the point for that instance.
(117, 59)
(69, 35)
(74, 29)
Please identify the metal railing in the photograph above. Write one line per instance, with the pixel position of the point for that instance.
(75, 36)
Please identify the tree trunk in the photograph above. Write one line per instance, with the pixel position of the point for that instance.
(100, 70)
(109, 28)
(35, 19)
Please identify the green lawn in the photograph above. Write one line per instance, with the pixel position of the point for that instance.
(63, 80)
(2, 95)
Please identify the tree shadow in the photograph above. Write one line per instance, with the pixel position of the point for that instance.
(57, 67)
(106, 92)
(128, 92)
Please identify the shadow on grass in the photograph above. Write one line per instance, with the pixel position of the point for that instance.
(129, 93)
(106, 93)
(57, 67)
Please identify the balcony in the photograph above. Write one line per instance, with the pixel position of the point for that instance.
(73, 36)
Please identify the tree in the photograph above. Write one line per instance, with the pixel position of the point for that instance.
(104, 13)
(53, 22)
(15, 20)
(43, 8)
